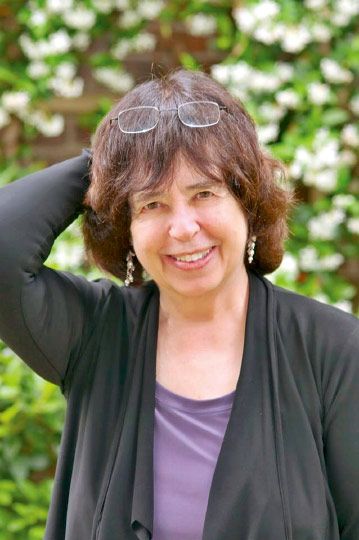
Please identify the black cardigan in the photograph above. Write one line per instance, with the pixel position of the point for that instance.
(288, 468)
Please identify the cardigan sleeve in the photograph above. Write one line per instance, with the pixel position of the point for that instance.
(46, 315)
(341, 433)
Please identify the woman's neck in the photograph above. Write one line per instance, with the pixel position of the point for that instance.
(228, 303)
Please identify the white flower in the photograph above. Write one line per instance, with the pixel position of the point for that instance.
(350, 135)
(295, 170)
(103, 6)
(322, 135)
(4, 118)
(334, 73)
(121, 49)
(129, 18)
(265, 9)
(13, 101)
(115, 79)
(284, 71)
(315, 4)
(271, 112)
(66, 87)
(67, 255)
(354, 104)
(318, 93)
(343, 200)
(144, 42)
(344, 11)
(245, 19)
(59, 6)
(325, 180)
(264, 34)
(66, 70)
(241, 72)
(326, 153)
(295, 38)
(321, 297)
(150, 9)
(308, 259)
(348, 7)
(288, 267)
(261, 81)
(81, 41)
(288, 98)
(121, 4)
(201, 24)
(221, 73)
(331, 262)
(340, 19)
(30, 49)
(353, 225)
(80, 18)
(49, 126)
(267, 133)
(59, 42)
(324, 226)
(37, 69)
(303, 156)
(345, 305)
(38, 18)
(321, 33)
(239, 92)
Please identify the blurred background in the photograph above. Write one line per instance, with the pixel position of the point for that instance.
(64, 63)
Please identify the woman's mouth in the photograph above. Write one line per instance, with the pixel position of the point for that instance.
(191, 261)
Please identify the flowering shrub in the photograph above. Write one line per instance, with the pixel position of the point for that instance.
(294, 65)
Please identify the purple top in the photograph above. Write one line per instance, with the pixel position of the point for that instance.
(187, 440)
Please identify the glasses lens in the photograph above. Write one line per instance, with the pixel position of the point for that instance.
(138, 119)
(199, 113)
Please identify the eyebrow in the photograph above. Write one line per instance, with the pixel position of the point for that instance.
(141, 196)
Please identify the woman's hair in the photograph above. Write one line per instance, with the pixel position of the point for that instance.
(123, 164)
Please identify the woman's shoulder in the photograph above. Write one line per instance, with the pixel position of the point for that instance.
(139, 299)
(305, 307)
(322, 326)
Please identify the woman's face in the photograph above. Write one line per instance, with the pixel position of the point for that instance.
(190, 237)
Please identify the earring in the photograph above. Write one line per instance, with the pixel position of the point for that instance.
(250, 248)
(130, 268)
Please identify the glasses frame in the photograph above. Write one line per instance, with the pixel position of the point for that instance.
(177, 109)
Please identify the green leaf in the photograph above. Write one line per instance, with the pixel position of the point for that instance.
(334, 117)
(188, 61)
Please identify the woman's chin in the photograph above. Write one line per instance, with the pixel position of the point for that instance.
(194, 288)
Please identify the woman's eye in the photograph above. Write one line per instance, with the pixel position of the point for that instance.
(205, 194)
(151, 205)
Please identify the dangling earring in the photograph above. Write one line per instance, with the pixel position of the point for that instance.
(250, 248)
(130, 268)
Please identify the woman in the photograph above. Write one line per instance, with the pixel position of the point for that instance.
(204, 403)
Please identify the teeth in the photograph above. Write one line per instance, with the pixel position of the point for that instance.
(193, 257)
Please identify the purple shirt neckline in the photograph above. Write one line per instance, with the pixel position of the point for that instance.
(175, 401)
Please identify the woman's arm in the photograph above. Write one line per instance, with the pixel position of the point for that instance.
(45, 315)
(341, 433)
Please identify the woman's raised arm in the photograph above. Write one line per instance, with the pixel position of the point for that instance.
(45, 315)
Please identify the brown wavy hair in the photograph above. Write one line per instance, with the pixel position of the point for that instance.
(228, 151)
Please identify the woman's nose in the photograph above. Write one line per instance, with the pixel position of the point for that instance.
(183, 224)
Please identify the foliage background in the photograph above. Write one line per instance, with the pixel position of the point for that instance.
(294, 65)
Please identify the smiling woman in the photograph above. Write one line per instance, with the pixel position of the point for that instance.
(226, 151)
(191, 238)
(204, 403)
